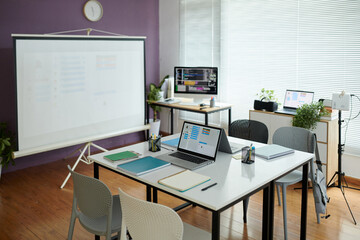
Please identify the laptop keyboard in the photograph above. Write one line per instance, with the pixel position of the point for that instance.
(187, 157)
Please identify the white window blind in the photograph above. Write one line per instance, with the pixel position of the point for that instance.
(307, 45)
(288, 44)
(199, 40)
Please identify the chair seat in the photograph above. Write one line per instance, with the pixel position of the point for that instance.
(290, 178)
(98, 225)
(191, 232)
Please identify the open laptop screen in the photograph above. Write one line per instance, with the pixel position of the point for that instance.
(295, 99)
(199, 140)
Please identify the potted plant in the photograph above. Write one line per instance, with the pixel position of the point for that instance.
(308, 115)
(6, 147)
(155, 95)
(267, 101)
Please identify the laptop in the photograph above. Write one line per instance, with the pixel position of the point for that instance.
(198, 146)
(228, 147)
(295, 99)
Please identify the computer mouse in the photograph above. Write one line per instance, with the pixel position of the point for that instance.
(202, 104)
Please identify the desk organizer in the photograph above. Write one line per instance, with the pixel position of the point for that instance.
(155, 144)
(248, 154)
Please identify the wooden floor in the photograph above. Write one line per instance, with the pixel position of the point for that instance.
(32, 206)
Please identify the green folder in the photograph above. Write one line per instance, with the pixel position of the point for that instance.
(122, 156)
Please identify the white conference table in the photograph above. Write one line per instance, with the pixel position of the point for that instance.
(235, 181)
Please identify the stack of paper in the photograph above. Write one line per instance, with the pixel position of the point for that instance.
(126, 155)
(184, 180)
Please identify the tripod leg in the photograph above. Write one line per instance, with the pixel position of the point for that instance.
(343, 193)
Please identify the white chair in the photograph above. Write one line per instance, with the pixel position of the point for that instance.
(151, 221)
(97, 210)
(298, 139)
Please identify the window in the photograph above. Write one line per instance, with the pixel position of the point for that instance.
(284, 44)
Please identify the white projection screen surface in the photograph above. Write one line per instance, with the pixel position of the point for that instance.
(75, 89)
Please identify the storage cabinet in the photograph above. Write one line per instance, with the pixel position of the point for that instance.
(326, 133)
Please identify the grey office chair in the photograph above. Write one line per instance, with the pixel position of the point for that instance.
(250, 130)
(151, 221)
(97, 210)
(298, 139)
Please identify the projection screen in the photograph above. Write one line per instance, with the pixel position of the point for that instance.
(75, 89)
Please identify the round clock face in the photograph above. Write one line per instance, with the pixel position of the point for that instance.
(93, 10)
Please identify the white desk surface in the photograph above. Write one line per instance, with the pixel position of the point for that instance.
(234, 178)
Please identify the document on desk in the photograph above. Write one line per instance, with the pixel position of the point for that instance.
(125, 155)
(172, 142)
(273, 151)
(184, 180)
(142, 165)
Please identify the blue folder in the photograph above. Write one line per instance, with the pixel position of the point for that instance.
(142, 165)
(172, 142)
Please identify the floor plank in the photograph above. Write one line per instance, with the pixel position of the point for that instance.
(32, 206)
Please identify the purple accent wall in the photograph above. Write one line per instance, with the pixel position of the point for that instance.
(128, 17)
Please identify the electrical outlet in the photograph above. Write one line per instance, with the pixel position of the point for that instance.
(341, 101)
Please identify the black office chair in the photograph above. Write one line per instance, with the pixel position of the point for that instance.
(250, 130)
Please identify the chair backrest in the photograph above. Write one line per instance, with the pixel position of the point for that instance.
(296, 138)
(250, 130)
(151, 221)
(92, 196)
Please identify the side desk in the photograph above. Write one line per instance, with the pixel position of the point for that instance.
(235, 182)
(206, 110)
(326, 133)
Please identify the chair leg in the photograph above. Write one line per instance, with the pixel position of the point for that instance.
(284, 210)
(71, 227)
(278, 193)
(318, 217)
(245, 207)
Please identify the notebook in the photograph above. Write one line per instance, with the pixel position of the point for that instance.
(295, 99)
(272, 151)
(198, 145)
(142, 165)
(184, 180)
(126, 155)
(228, 147)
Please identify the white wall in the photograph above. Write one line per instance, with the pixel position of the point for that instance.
(169, 32)
(169, 11)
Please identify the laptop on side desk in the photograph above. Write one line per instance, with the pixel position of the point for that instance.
(198, 146)
(295, 99)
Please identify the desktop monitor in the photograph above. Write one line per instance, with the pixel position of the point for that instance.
(196, 80)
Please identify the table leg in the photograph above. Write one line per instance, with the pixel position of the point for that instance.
(172, 121)
(266, 213)
(206, 119)
(271, 209)
(148, 193)
(304, 198)
(229, 121)
(96, 170)
(155, 195)
(215, 229)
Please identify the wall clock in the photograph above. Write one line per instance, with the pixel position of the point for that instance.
(93, 10)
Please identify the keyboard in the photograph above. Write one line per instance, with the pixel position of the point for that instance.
(189, 103)
(187, 157)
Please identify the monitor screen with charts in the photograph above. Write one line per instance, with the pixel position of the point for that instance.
(196, 80)
(295, 99)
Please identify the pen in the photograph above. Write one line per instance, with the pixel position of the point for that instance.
(206, 188)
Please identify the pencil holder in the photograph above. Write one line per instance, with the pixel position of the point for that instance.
(212, 102)
(248, 154)
(155, 144)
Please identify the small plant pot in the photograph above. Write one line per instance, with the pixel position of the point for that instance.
(154, 128)
(267, 106)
